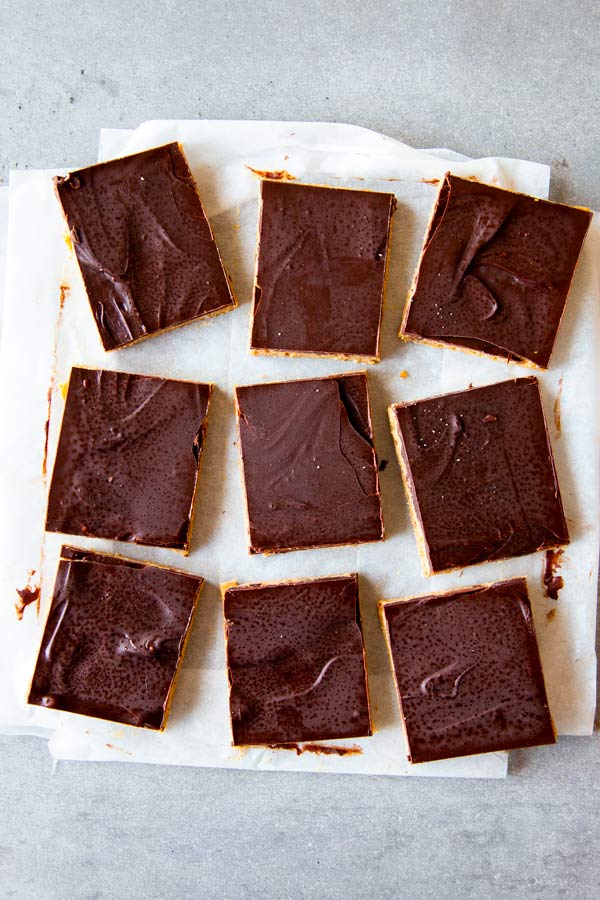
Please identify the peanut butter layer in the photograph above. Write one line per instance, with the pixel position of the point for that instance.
(128, 457)
(144, 246)
(114, 638)
(320, 270)
(467, 671)
(495, 271)
(480, 473)
(296, 661)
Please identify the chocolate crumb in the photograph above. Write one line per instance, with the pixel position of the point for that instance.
(27, 595)
(552, 582)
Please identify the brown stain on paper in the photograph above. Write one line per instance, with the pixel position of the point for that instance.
(275, 175)
(119, 749)
(556, 409)
(28, 595)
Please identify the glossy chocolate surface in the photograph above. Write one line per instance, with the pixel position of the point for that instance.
(320, 269)
(296, 661)
(114, 638)
(143, 244)
(310, 470)
(481, 473)
(496, 270)
(468, 672)
(127, 461)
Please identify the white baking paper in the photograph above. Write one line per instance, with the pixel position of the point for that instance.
(35, 344)
(3, 236)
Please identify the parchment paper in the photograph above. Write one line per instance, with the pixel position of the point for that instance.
(3, 236)
(35, 344)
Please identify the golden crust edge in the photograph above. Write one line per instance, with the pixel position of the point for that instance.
(254, 585)
(314, 354)
(410, 338)
(127, 559)
(460, 589)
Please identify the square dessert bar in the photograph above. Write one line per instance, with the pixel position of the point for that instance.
(494, 272)
(320, 270)
(296, 661)
(467, 671)
(479, 474)
(309, 466)
(128, 457)
(144, 246)
(114, 639)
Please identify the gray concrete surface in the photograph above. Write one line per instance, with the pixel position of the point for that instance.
(517, 78)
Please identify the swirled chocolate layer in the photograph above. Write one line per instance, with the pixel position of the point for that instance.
(468, 672)
(296, 661)
(480, 473)
(127, 460)
(320, 269)
(144, 246)
(114, 638)
(495, 271)
(310, 470)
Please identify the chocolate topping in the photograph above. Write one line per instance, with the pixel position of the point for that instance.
(468, 672)
(320, 270)
(114, 638)
(495, 271)
(127, 460)
(481, 473)
(296, 661)
(552, 582)
(144, 246)
(310, 469)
